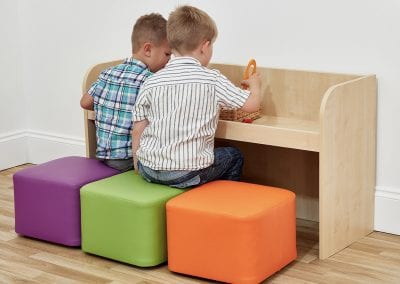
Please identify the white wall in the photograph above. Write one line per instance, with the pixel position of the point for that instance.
(60, 40)
(13, 147)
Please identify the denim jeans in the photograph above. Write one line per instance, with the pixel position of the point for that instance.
(228, 164)
(122, 165)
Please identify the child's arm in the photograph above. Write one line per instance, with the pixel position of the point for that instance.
(87, 101)
(137, 130)
(254, 100)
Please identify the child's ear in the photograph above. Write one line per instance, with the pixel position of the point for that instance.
(147, 48)
(205, 45)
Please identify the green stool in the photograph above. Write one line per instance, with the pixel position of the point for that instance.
(123, 218)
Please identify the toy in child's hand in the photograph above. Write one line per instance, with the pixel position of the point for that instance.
(237, 114)
(250, 70)
(250, 66)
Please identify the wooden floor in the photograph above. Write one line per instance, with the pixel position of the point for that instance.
(373, 259)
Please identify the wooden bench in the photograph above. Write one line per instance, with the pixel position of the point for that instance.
(316, 137)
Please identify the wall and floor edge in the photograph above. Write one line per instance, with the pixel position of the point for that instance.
(28, 146)
(387, 210)
(13, 149)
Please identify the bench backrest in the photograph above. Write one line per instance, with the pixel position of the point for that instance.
(289, 93)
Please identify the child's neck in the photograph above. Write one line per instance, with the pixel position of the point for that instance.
(139, 57)
(191, 54)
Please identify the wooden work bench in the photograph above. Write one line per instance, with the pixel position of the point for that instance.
(316, 137)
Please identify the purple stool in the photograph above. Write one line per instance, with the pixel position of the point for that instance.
(46, 198)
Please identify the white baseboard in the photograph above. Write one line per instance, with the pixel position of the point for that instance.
(387, 210)
(43, 147)
(13, 149)
(27, 146)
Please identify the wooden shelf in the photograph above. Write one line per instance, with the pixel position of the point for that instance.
(269, 130)
(274, 131)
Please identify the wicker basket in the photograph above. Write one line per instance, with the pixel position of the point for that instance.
(237, 114)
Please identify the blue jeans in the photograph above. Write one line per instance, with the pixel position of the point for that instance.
(122, 165)
(228, 164)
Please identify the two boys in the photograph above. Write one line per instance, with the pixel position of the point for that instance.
(176, 112)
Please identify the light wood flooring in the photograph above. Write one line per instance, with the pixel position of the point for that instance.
(373, 259)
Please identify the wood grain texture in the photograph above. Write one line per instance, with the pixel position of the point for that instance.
(347, 163)
(289, 93)
(275, 131)
(292, 169)
(372, 259)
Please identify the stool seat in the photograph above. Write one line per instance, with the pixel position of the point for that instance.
(123, 218)
(46, 198)
(231, 231)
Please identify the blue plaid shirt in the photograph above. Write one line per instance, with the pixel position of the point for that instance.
(114, 94)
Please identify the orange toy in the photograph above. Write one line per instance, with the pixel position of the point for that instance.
(237, 114)
(230, 231)
(250, 66)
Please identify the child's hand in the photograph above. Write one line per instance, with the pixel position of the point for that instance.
(254, 100)
(253, 83)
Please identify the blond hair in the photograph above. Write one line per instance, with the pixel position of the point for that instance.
(149, 28)
(188, 27)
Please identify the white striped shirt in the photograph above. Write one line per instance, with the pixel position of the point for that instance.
(182, 104)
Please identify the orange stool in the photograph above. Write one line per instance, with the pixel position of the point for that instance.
(230, 231)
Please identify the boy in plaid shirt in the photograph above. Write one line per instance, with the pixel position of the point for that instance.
(113, 95)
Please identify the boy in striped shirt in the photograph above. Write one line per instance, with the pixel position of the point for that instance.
(176, 113)
(114, 93)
